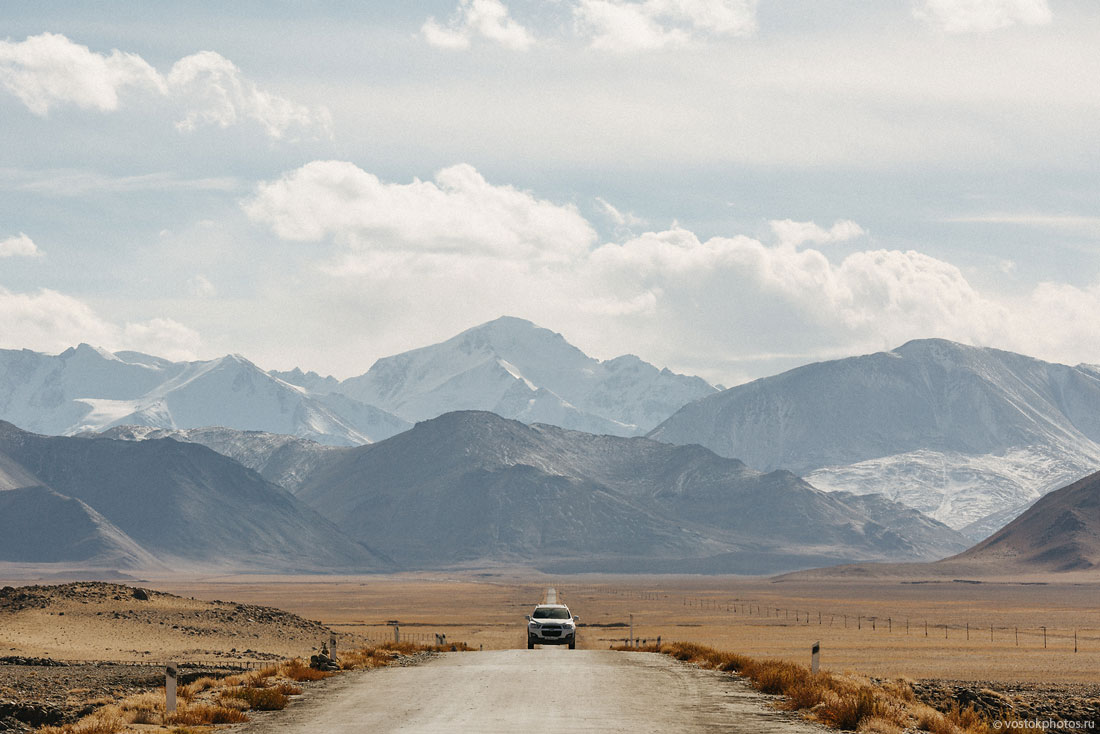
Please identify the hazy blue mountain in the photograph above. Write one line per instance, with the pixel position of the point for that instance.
(967, 435)
(182, 503)
(474, 487)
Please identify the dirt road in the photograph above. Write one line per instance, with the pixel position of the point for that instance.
(542, 690)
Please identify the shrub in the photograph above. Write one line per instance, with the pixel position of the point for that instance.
(200, 714)
(297, 670)
(261, 699)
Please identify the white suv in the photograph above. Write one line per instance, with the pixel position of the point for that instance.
(551, 624)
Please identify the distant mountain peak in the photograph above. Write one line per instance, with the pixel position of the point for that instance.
(521, 370)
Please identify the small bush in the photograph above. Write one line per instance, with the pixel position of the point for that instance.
(776, 676)
(200, 714)
(298, 671)
(261, 699)
(879, 725)
(107, 720)
(849, 709)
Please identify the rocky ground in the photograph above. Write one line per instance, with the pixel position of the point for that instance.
(1026, 701)
(37, 691)
(104, 621)
(64, 649)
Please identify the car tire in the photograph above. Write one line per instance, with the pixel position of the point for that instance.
(530, 644)
(573, 644)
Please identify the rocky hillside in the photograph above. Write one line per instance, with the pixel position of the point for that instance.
(180, 503)
(472, 486)
(969, 436)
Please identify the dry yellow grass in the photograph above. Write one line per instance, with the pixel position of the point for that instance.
(848, 702)
(211, 701)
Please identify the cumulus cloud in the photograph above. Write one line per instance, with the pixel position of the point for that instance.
(965, 16)
(215, 92)
(49, 321)
(794, 233)
(434, 257)
(18, 246)
(457, 212)
(628, 25)
(49, 70)
(489, 19)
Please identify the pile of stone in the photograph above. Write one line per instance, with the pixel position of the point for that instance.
(324, 660)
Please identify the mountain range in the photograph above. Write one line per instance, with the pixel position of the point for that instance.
(89, 389)
(156, 504)
(478, 487)
(970, 436)
(508, 366)
(1058, 536)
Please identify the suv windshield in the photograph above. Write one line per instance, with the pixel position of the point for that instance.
(551, 613)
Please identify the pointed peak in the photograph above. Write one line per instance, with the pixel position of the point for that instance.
(87, 350)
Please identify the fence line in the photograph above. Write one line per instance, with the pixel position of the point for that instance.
(1033, 636)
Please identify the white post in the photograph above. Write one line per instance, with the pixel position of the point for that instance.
(396, 633)
(631, 630)
(170, 687)
(815, 655)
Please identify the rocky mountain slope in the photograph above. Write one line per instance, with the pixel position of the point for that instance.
(472, 486)
(518, 370)
(89, 389)
(1060, 532)
(280, 459)
(122, 503)
(967, 435)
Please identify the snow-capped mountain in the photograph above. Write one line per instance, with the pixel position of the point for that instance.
(89, 389)
(970, 436)
(519, 370)
(280, 459)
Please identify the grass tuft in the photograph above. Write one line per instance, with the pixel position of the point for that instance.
(260, 699)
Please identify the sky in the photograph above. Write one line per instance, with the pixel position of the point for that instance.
(728, 188)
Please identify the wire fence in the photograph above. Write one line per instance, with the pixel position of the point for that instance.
(1059, 637)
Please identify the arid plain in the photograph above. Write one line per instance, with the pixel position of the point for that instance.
(993, 630)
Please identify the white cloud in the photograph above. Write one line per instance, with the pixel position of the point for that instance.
(794, 233)
(161, 337)
(1079, 225)
(621, 220)
(625, 25)
(213, 91)
(487, 18)
(432, 258)
(68, 182)
(48, 70)
(458, 212)
(18, 246)
(49, 321)
(965, 16)
(201, 287)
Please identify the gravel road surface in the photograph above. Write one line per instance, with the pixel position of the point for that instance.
(543, 690)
